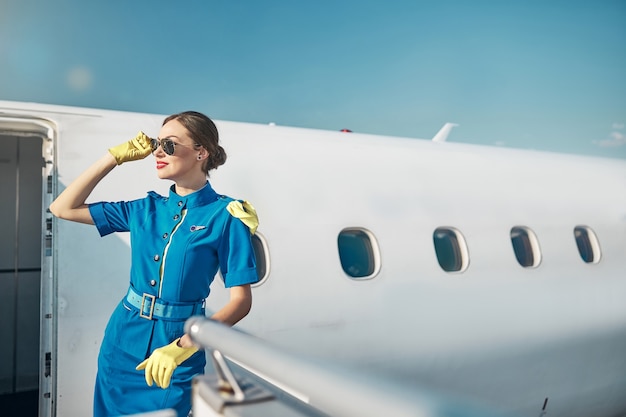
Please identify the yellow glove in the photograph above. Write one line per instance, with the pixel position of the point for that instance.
(244, 212)
(133, 150)
(161, 364)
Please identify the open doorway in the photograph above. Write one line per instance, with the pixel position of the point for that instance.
(21, 182)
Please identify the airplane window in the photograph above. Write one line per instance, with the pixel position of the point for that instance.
(451, 249)
(525, 246)
(358, 253)
(588, 245)
(262, 258)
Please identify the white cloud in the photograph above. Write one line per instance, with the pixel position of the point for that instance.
(614, 139)
(79, 79)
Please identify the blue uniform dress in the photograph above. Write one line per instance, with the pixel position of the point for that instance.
(178, 244)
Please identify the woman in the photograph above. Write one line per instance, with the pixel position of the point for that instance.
(179, 242)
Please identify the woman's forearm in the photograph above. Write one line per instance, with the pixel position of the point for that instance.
(70, 204)
(237, 308)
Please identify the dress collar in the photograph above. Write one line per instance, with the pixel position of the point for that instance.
(201, 197)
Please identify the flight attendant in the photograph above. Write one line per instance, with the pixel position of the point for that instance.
(178, 243)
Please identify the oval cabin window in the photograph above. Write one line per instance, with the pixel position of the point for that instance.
(588, 245)
(358, 253)
(451, 249)
(525, 246)
(261, 255)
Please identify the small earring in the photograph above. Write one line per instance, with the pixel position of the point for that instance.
(199, 157)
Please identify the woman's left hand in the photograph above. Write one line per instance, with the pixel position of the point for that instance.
(161, 364)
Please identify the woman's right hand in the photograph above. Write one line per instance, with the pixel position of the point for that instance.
(133, 150)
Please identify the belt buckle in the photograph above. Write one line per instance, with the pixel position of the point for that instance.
(152, 298)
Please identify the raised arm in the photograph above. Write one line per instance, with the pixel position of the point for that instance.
(70, 204)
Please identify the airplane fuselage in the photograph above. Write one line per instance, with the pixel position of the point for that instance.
(482, 272)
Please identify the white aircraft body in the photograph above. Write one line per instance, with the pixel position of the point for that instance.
(484, 273)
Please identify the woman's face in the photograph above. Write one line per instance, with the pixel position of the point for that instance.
(183, 164)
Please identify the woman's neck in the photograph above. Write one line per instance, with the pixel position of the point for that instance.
(186, 188)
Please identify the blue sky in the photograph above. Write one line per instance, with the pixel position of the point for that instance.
(547, 75)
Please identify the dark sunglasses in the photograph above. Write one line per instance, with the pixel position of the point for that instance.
(168, 145)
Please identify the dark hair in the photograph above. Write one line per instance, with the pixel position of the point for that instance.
(204, 132)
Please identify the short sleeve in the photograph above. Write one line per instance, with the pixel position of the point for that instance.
(236, 254)
(110, 217)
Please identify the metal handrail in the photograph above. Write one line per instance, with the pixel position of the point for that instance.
(334, 391)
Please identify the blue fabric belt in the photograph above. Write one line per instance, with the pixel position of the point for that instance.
(150, 307)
